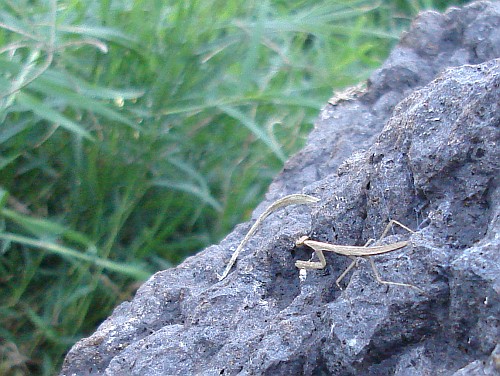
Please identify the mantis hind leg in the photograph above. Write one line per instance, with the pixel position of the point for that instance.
(390, 225)
(380, 280)
(355, 260)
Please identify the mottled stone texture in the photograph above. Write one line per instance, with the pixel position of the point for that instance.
(419, 145)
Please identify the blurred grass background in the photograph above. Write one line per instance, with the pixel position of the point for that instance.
(135, 132)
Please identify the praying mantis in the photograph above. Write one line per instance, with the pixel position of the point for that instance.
(353, 252)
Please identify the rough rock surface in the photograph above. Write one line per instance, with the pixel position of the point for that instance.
(419, 145)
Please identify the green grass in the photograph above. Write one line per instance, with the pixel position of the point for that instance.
(134, 133)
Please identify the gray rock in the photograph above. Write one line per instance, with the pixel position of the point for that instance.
(420, 145)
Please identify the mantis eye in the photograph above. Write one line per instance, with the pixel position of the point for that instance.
(301, 240)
